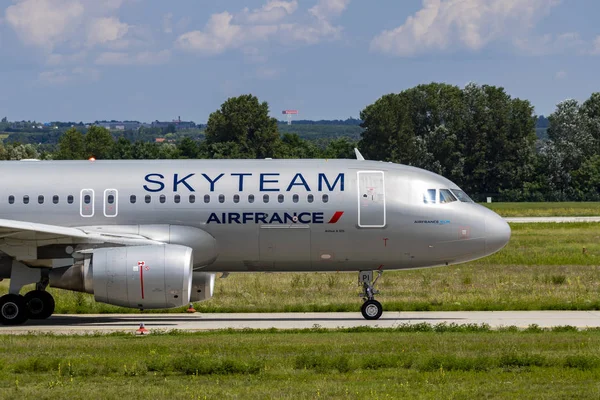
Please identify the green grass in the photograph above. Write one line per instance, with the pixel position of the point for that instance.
(564, 209)
(409, 362)
(543, 267)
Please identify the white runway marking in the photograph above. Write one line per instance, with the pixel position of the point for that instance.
(87, 324)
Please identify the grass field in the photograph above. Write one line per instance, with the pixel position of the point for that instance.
(543, 267)
(409, 362)
(564, 209)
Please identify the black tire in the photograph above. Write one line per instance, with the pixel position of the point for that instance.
(40, 304)
(371, 309)
(13, 309)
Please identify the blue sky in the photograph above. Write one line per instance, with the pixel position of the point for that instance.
(149, 59)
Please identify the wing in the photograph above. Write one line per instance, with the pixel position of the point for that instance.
(21, 240)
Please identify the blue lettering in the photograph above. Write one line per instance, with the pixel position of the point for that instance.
(234, 217)
(213, 218)
(263, 181)
(160, 184)
(301, 218)
(212, 182)
(323, 179)
(275, 218)
(317, 217)
(294, 183)
(177, 181)
(241, 181)
(260, 217)
(287, 218)
(247, 217)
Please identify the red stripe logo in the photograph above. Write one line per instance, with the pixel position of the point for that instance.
(336, 217)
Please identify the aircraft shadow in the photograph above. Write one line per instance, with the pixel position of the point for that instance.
(158, 320)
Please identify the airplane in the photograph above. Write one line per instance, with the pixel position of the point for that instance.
(154, 234)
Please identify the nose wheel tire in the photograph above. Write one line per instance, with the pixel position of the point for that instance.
(371, 309)
(40, 304)
(13, 309)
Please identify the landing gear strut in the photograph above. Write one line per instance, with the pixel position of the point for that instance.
(371, 308)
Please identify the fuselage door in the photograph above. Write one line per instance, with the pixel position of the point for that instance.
(86, 202)
(371, 199)
(111, 203)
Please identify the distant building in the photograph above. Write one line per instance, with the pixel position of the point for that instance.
(120, 125)
(160, 139)
(178, 123)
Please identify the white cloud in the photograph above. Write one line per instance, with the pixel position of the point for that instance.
(62, 76)
(141, 58)
(551, 44)
(168, 23)
(450, 24)
(596, 46)
(44, 23)
(561, 74)
(103, 30)
(64, 59)
(329, 8)
(224, 31)
(273, 11)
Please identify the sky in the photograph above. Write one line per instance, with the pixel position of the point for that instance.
(87, 60)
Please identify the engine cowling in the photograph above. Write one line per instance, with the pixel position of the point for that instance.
(145, 277)
(203, 286)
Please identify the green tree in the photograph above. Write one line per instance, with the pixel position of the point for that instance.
(292, 146)
(122, 150)
(71, 146)
(98, 143)
(244, 121)
(188, 148)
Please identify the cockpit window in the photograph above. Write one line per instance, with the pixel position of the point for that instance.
(446, 196)
(429, 196)
(462, 196)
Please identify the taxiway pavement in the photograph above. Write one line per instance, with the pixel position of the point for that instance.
(526, 220)
(106, 323)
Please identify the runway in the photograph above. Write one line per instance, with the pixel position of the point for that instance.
(107, 323)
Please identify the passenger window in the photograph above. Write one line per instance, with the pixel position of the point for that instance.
(325, 198)
(148, 199)
(162, 198)
(192, 198)
(111, 199)
(11, 199)
(25, 199)
(132, 199)
(429, 196)
(221, 198)
(295, 198)
(55, 199)
(207, 198)
(70, 199)
(41, 199)
(265, 198)
(446, 196)
(280, 198)
(87, 199)
(177, 199)
(250, 198)
(236, 198)
(310, 198)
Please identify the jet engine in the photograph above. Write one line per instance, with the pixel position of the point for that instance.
(203, 286)
(144, 277)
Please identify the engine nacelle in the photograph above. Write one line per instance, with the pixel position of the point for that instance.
(144, 277)
(203, 286)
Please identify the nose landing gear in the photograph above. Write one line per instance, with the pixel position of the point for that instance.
(371, 308)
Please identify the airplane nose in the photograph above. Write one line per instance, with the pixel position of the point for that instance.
(497, 233)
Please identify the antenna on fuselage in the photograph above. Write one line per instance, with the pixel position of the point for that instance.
(359, 156)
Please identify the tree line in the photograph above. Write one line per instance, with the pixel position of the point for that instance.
(478, 136)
